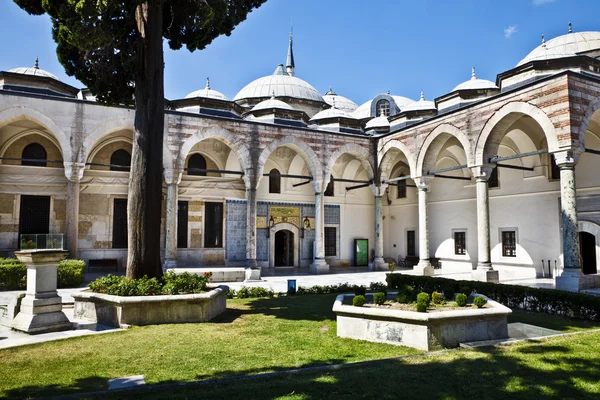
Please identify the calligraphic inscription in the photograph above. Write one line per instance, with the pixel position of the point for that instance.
(261, 222)
(291, 215)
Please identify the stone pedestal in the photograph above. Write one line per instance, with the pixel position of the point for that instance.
(570, 280)
(41, 308)
(483, 275)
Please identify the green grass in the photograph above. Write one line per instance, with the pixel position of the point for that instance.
(552, 322)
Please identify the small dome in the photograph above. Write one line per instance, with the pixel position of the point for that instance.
(364, 111)
(401, 101)
(379, 122)
(35, 70)
(421, 105)
(208, 93)
(271, 104)
(340, 102)
(331, 113)
(567, 45)
(475, 83)
(282, 85)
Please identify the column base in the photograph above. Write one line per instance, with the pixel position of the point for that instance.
(424, 268)
(570, 280)
(169, 263)
(319, 266)
(379, 265)
(252, 275)
(41, 315)
(485, 275)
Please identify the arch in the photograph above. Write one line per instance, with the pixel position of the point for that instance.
(274, 181)
(34, 151)
(305, 151)
(120, 160)
(17, 113)
(431, 147)
(280, 227)
(360, 152)
(197, 161)
(114, 125)
(495, 128)
(217, 133)
(98, 147)
(594, 229)
(390, 151)
(587, 117)
(330, 189)
(19, 136)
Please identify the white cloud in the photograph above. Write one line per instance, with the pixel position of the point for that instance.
(512, 29)
(541, 2)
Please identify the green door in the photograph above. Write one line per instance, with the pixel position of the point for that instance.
(361, 252)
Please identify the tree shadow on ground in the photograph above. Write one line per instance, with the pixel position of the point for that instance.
(89, 384)
(308, 308)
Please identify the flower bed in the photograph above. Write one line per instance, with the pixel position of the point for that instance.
(13, 274)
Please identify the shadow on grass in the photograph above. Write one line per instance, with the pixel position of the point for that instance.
(309, 307)
(89, 384)
(548, 321)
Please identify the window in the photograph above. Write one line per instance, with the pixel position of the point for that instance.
(119, 224)
(274, 181)
(120, 160)
(411, 244)
(401, 188)
(182, 225)
(330, 187)
(330, 241)
(509, 243)
(554, 170)
(382, 108)
(494, 182)
(213, 225)
(460, 243)
(33, 152)
(197, 165)
(34, 215)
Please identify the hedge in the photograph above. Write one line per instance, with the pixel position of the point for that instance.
(551, 301)
(13, 274)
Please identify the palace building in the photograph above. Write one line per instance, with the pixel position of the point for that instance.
(499, 179)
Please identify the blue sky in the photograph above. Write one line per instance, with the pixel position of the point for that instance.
(359, 47)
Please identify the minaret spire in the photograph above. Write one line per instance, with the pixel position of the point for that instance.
(289, 66)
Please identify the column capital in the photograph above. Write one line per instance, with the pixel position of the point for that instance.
(482, 172)
(423, 182)
(567, 158)
(320, 185)
(173, 176)
(251, 179)
(379, 190)
(74, 171)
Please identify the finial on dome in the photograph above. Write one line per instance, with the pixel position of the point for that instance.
(422, 96)
(473, 73)
(290, 65)
(273, 94)
(36, 65)
(207, 83)
(388, 92)
(543, 40)
(570, 28)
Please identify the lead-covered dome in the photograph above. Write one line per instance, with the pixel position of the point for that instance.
(339, 102)
(571, 44)
(35, 71)
(475, 83)
(271, 104)
(207, 93)
(280, 84)
(421, 105)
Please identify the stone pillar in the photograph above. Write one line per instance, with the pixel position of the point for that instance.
(173, 179)
(378, 263)
(74, 174)
(424, 266)
(252, 269)
(571, 278)
(319, 265)
(484, 271)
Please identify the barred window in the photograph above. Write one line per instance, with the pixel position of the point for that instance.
(509, 244)
(274, 181)
(182, 224)
(330, 241)
(119, 224)
(460, 243)
(120, 160)
(401, 188)
(411, 244)
(196, 165)
(213, 225)
(383, 108)
(33, 152)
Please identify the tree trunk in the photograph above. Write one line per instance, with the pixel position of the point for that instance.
(145, 179)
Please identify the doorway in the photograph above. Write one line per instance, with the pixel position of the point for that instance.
(587, 243)
(284, 248)
(34, 217)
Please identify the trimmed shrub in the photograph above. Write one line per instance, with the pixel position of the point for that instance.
(424, 298)
(169, 284)
(437, 298)
(359, 301)
(421, 307)
(12, 274)
(409, 292)
(379, 298)
(449, 291)
(70, 273)
(360, 290)
(401, 298)
(378, 287)
(461, 299)
(479, 301)
(466, 290)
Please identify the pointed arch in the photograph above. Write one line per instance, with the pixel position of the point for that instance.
(390, 151)
(587, 117)
(306, 152)
(434, 142)
(360, 152)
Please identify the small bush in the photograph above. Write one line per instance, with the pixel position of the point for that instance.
(465, 290)
(479, 301)
(378, 287)
(461, 299)
(359, 301)
(360, 290)
(246, 292)
(170, 283)
(437, 298)
(70, 273)
(379, 298)
(184, 283)
(409, 291)
(12, 274)
(421, 307)
(401, 298)
(424, 298)
(392, 266)
(449, 292)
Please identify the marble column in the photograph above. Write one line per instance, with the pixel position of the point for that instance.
(252, 269)
(424, 266)
(319, 265)
(74, 174)
(484, 271)
(571, 278)
(378, 263)
(173, 179)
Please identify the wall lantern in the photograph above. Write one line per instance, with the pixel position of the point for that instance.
(271, 225)
(305, 226)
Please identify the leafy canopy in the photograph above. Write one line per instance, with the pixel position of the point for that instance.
(97, 39)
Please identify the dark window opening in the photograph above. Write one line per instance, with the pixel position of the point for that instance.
(382, 108)
(120, 160)
(494, 182)
(119, 224)
(197, 165)
(460, 243)
(274, 181)
(554, 170)
(509, 244)
(330, 241)
(182, 225)
(411, 244)
(213, 225)
(330, 187)
(33, 152)
(34, 216)
(401, 188)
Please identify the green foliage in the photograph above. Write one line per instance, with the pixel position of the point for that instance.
(461, 299)
(421, 307)
(401, 298)
(12, 274)
(437, 298)
(466, 290)
(378, 287)
(480, 301)
(169, 284)
(70, 273)
(424, 299)
(28, 244)
(359, 301)
(184, 283)
(449, 291)
(252, 292)
(379, 298)
(392, 266)
(360, 290)
(409, 292)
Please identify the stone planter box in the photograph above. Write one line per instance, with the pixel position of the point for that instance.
(423, 331)
(122, 311)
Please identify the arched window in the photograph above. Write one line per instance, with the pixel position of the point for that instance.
(274, 181)
(383, 108)
(401, 188)
(120, 160)
(195, 163)
(494, 181)
(329, 190)
(33, 152)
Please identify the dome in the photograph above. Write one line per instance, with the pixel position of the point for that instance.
(379, 122)
(364, 111)
(35, 70)
(567, 45)
(280, 84)
(271, 104)
(402, 101)
(331, 113)
(208, 93)
(475, 83)
(421, 105)
(339, 102)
